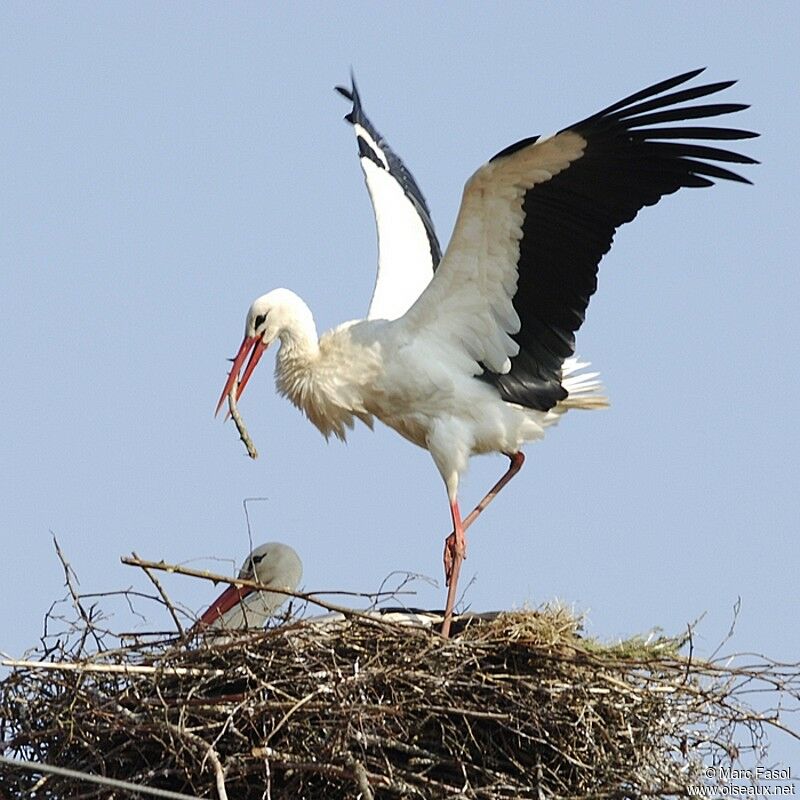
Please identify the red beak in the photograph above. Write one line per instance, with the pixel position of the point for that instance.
(231, 597)
(249, 343)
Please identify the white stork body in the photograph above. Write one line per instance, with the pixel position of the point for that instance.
(420, 385)
(473, 352)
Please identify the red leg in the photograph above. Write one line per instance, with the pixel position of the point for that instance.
(458, 551)
(517, 460)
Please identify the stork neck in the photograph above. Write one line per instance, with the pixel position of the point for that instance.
(297, 355)
(300, 343)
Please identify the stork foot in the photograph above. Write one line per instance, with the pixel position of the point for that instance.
(452, 550)
(453, 556)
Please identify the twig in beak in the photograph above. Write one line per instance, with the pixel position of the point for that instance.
(239, 422)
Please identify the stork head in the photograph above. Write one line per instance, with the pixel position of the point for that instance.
(274, 565)
(270, 317)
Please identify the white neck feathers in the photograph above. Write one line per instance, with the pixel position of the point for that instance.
(316, 376)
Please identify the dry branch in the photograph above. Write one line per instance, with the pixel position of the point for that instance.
(164, 596)
(121, 669)
(239, 422)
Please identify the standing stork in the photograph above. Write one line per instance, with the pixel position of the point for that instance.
(473, 352)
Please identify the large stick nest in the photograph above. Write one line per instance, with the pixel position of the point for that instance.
(519, 706)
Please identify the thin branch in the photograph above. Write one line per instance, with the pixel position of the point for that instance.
(375, 596)
(211, 754)
(101, 780)
(219, 772)
(247, 516)
(124, 669)
(299, 704)
(239, 422)
(362, 781)
(164, 597)
(737, 607)
(69, 577)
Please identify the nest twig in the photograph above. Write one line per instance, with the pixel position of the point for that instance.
(236, 416)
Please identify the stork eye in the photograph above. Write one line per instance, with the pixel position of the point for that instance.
(259, 321)
(256, 559)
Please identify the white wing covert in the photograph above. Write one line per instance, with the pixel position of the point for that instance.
(408, 250)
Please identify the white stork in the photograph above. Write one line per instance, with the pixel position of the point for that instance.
(272, 564)
(473, 352)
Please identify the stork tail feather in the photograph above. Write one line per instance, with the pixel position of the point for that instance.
(585, 390)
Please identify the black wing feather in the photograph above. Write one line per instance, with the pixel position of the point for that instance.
(570, 220)
(650, 91)
(682, 96)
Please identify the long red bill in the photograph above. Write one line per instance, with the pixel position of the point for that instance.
(230, 598)
(249, 343)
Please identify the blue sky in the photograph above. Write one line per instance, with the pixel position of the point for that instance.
(164, 164)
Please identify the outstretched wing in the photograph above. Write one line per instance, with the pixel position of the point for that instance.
(408, 250)
(515, 281)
